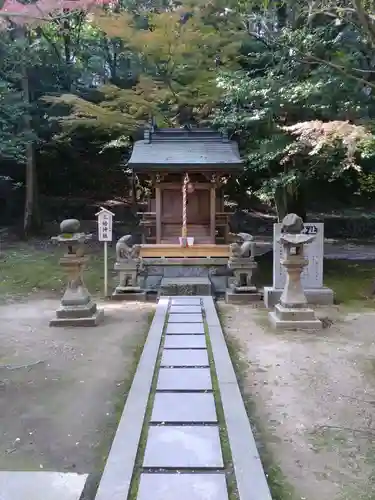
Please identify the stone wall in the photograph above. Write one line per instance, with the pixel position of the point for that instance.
(153, 274)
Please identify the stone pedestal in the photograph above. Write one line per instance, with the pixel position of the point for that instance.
(77, 306)
(128, 287)
(242, 298)
(241, 289)
(288, 318)
(293, 312)
(315, 296)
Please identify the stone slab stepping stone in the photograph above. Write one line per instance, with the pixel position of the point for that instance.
(185, 318)
(186, 301)
(184, 379)
(185, 328)
(179, 447)
(183, 487)
(185, 309)
(185, 342)
(41, 485)
(184, 357)
(184, 408)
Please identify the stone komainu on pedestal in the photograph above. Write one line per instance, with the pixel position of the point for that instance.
(242, 264)
(129, 265)
(77, 306)
(292, 312)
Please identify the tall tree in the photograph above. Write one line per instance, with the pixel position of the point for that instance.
(24, 22)
(178, 56)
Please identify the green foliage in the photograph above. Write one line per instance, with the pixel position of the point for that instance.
(299, 109)
(176, 56)
(290, 84)
(12, 134)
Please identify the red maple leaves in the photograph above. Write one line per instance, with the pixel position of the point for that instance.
(37, 11)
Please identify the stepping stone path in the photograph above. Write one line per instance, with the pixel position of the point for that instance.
(41, 485)
(181, 455)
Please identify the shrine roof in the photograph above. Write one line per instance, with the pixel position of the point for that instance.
(193, 148)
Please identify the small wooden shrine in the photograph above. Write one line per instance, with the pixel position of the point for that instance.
(186, 169)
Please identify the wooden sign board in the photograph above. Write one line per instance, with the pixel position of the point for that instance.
(105, 224)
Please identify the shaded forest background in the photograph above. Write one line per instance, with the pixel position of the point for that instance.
(292, 82)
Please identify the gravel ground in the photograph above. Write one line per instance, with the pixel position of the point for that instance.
(315, 396)
(61, 389)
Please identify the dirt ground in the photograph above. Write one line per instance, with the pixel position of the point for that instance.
(315, 397)
(61, 389)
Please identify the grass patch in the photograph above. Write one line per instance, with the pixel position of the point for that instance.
(279, 486)
(111, 427)
(27, 269)
(351, 280)
(224, 439)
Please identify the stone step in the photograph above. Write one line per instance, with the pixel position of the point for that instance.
(184, 408)
(184, 357)
(185, 342)
(183, 447)
(41, 485)
(186, 286)
(185, 318)
(185, 329)
(183, 486)
(183, 379)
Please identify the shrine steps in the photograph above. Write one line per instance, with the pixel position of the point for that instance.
(195, 285)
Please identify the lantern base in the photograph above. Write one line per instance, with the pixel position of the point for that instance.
(316, 296)
(285, 318)
(94, 320)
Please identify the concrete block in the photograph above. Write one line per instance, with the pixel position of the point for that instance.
(318, 296)
(185, 328)
(183, 447)
(185, 342)
(41, 485)
(242, 298)
(184, 379)
(186, 301)
(188, 309)
(281, 324)
(93, 320)
(185, 318)
(184, 357)
(129, 296)
(184, 408)
(182, 486)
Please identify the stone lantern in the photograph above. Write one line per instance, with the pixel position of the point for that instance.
(77, 306)
(293, 312)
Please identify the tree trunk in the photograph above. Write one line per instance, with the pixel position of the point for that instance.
(32, 220)
(290, 201)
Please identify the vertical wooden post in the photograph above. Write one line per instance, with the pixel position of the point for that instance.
(213, 213)
(158, 213)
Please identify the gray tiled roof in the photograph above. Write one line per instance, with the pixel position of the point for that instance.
(178, 147)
